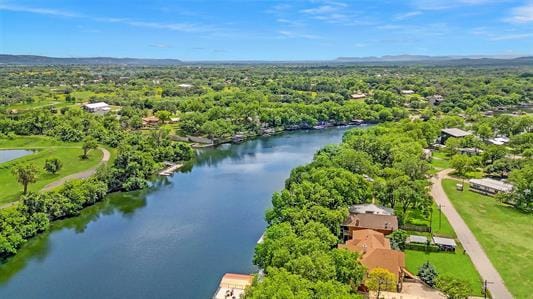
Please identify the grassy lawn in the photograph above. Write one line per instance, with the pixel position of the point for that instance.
(439, 224)
(68, 153)
(505, 234)
(454, 264)
(440, 161)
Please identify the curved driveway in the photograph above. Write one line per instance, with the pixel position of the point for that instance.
(79, 175)
(497, 288)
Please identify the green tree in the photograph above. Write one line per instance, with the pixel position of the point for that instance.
(89, 143)
(428, 274)
(454, 288)
(380, 280)
(398, 238)
(163, 115)
(462, 164)
(26, 174)
(52, 165)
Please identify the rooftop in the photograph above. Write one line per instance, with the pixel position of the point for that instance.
(96, 105)
(456, 132)
(372, 221)
(444, 241)
(371, 209)
(493, 184)
(417, 239)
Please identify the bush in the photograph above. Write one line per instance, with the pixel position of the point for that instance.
(428, 274)
(52, 165)
(454, 288)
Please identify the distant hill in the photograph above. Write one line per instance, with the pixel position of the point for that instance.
(388, 60)
(44, 60)
(439, 60)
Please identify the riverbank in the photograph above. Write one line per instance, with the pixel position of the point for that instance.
(152, 237)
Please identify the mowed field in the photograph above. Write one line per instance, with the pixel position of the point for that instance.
(45, 148)
(505, 234)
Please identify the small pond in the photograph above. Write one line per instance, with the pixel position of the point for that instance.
(8, 155)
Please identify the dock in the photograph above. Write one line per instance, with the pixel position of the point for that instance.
(170, 170)
(233, 286)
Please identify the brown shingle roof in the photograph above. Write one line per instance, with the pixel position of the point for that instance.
(375, 251)
(372, 221)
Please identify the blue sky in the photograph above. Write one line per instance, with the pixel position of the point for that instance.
(268, 29)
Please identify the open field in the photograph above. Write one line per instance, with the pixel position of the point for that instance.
(505, 234)
(455, 264)
(68, 153)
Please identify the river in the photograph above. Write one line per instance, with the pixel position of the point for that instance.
(174, 240)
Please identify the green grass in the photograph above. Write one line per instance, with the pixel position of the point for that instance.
(439, 224)
(68, 153)
(505, 234)
(457, 265)
(440, 161)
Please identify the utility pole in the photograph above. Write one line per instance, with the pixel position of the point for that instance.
(485, 283)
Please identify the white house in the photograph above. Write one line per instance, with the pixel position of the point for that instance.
(97, 107)
(489, 186)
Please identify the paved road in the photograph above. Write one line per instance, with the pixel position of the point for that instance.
(79, 175)
(482, 263)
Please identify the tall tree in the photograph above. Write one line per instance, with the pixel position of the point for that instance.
(89, 143)
(26, 174)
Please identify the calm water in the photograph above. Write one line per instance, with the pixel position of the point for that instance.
(8, 155)
(173, 241)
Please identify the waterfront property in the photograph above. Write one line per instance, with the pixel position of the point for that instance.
(371, 209)
(375, 252)
(384, 224)
(489, 186)
(99, 107)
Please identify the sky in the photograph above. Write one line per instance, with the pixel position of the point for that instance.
(265, 29)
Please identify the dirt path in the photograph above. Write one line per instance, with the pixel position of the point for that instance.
(482, 263)
(79, 175)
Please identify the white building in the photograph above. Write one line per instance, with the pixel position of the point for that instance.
(97, 107)
(489, 186)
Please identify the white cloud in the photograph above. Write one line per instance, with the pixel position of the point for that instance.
(181, 27)
(522, 14)
(407, 15)
(447, 4)
(515, 36)
(38, 10)
(292, 34)
(160, 46)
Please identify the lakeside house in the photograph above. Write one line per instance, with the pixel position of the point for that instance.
(233, 286)
(371, 209)
(489, 186)
(384, 224)
(452, 132)
(375, 252)
(99, 107)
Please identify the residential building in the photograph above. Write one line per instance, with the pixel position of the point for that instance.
(375, 252)
(384, 224)
(489, 186)
(150, 120)
(100, 107)
(452, 132)
(371, 209)
(435, 100)
(407, 91)
(357, 96)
